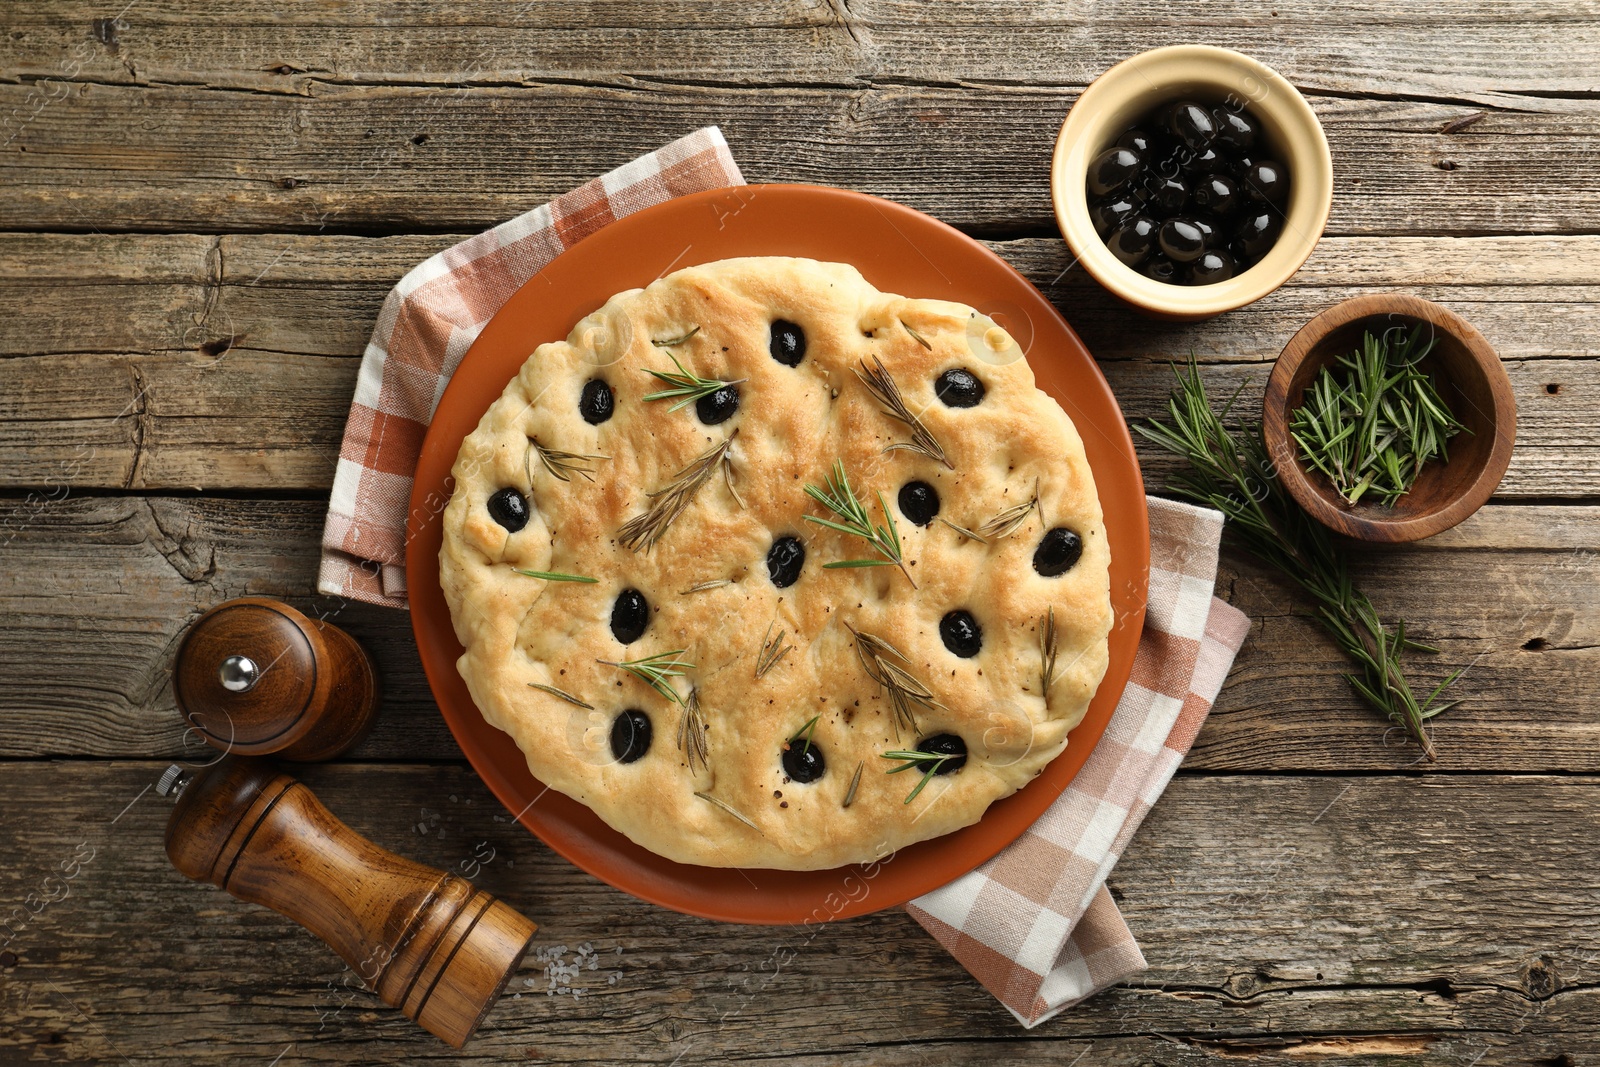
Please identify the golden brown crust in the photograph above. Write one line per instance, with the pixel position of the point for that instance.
(791, 425)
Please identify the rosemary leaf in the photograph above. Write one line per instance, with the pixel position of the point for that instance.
(771, 651)
(855, 782)
(557, 576)
(964, 532)
(921, 340)
(700, 587)
(1012, 518)
(1047, 653)
(928, 762)
(563, 694)
(730, 809)
(677, 340)
(692, 740)
(727, 478)
(880, 383)
(1234, 474)
(670, 501)
(805, 732)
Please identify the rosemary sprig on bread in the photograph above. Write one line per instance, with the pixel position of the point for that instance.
(687, 387)
(881, 384)
(672, 499)
(840, 499)
(655, 671)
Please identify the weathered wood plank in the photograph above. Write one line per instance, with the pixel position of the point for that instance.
(95, 592)
(399, 158)
(213, 340)
(1433, 920)
(178, 420)
(264, 420)
(318, 295)
(1455, 50)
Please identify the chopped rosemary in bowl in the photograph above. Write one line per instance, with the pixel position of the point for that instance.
(1399, 438)
(1371, 421)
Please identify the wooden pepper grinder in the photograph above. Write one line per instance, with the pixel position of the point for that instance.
(427, 942)
(255, 676)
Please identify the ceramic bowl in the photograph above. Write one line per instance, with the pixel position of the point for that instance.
(1126, 95)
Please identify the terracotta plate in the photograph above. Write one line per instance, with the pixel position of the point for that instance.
(899, 251)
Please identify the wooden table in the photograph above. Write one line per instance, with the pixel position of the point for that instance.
(201, 213)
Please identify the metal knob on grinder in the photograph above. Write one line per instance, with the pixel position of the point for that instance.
(255, 676)
(426, 942)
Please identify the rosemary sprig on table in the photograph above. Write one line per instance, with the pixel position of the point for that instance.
(692, 732)
(730, 809)
(1373, 428)
(557, 576)
(905, 692)
(1009, 520)
(771, 651)
(928, 762)
(655, 670)
(1234, 474)
(840, 499)
(670, 501)
(563, 694)
(685, 385)
(562, 465)
(880, 383)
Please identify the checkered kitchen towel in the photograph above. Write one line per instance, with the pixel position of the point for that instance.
(1035, 924)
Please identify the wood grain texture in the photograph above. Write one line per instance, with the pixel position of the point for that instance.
(203, 210)
(376, 159)
(1283, 919)
(99, 590)
(1367, 47)
(185, 387)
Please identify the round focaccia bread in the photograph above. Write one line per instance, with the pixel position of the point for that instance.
(718, 692)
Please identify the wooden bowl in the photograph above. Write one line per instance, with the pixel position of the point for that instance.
(1472, 382)
(1129, 92)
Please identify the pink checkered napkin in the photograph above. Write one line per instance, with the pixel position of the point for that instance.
(427, 324)
(1035, 924)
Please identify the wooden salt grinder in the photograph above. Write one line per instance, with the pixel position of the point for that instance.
(427, 942)
(255, 676)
